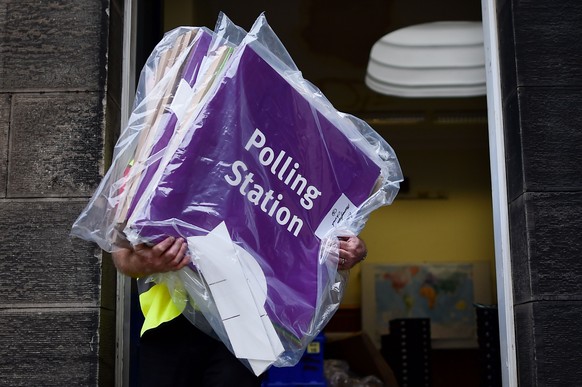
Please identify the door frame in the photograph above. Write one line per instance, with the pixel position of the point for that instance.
(499, 195)
(498, 187)
(123, 304)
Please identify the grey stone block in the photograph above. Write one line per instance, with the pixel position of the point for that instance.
(506, 49)
(525, 344)
(546, 240)
(543, 140)
(49, 347)
(57, 145)
(4, 125)
(40, 262)
(547, 42)
(548, 343)
(551, 139)
(513, 147)
(522, 281)
(50, 45)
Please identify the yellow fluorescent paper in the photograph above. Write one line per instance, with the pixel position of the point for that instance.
(157, 307)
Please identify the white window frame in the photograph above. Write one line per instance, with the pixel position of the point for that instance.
(499, 196)
(123, 304)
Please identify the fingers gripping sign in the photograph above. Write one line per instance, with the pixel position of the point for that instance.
(168, 255)
(352, 250)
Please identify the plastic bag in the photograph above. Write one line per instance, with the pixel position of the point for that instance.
(230, 148)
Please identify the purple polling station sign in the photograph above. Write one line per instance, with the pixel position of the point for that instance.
(263, 160)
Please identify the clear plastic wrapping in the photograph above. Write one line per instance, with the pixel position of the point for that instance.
(231, 149)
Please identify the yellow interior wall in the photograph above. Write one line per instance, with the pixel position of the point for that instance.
(456, 228)
(178, 13)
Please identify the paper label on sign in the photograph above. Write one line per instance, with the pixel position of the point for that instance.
(339, 213)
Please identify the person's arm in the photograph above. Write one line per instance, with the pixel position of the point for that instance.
(352, 250)
(141, 260)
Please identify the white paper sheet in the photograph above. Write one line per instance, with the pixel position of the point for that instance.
(239, 289)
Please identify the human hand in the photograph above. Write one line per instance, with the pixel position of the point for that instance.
(352, 250)
(141, 260)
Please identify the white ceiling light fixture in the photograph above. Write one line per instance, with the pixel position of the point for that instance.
(438, 59)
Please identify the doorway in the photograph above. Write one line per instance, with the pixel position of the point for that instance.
(443, 144)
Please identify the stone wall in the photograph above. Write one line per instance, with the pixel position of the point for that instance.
(542, 90)
(58, 113)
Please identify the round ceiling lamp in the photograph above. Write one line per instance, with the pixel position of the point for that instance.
(438, 59)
